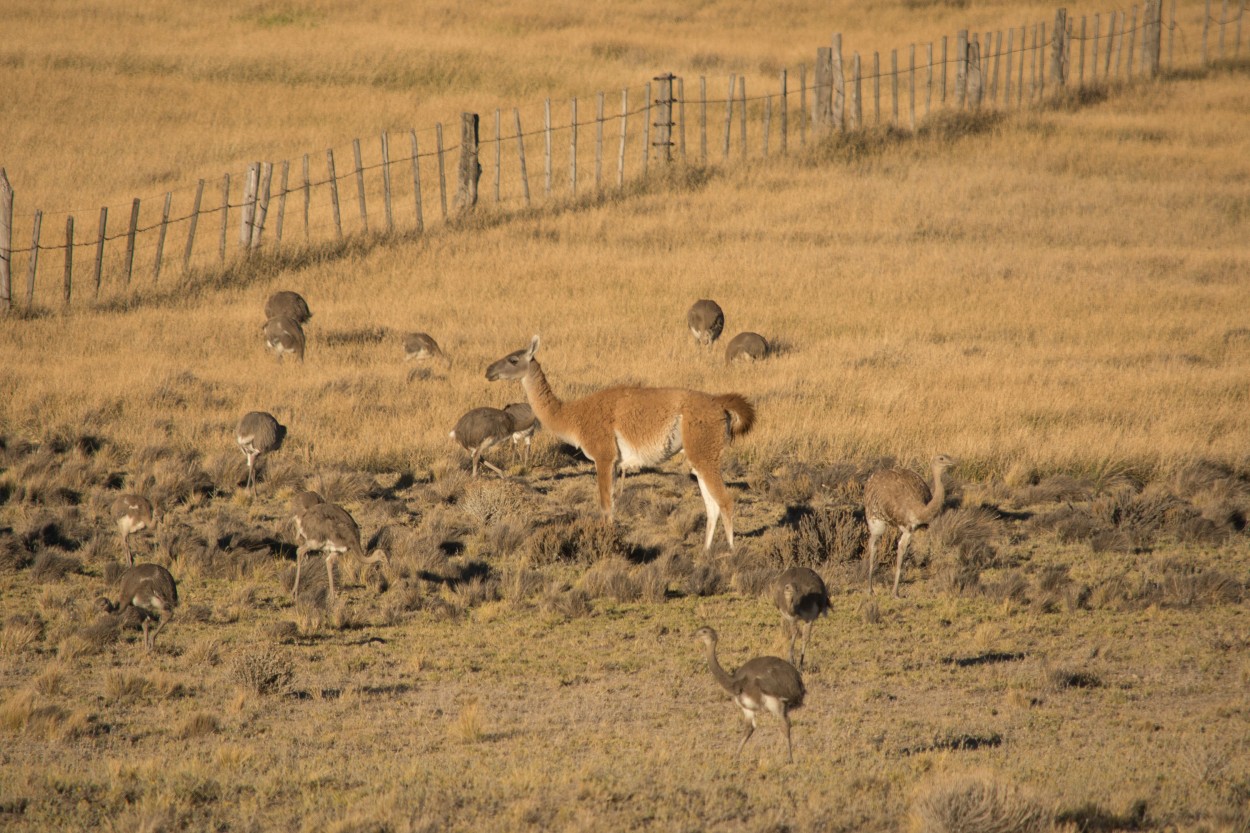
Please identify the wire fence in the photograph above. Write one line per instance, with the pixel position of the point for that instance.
(509, 161)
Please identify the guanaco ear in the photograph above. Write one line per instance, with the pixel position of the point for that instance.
(533, 348)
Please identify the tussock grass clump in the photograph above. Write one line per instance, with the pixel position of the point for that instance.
(570, 603)
(20, 632)
(198, 725)
(976, 803)
(23, 713)
(829, 533)
(263, 671)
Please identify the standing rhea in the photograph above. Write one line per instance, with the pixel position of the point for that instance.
(131, 513)
(800, 595)
(422, 347)
(480, 430)
(746, 346)
(330, 529)
(628, 428)
(151, 590)
(899, 497)
(284, 336)
(524, 424)
(258, 434)
(762, 684)
(289, 304)
(706, 320)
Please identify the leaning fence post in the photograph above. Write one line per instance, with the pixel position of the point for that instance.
(69, 257)
(961, 68)
(838, 77)
(442, 169)
(130, 239)
(976, 78)
(195, 218)
(6, 242)
(282, 190)
(1132, 40)
(160, 237)
(729, 111)
(857, 92)
(1058, 49)
(360, 184)
(416, 183)
(334, 194)
(262, 202)
(99, 249)
(620, 156)
(225, 221)
(386, 187)
(1153, 37)
(34, 259)
(470, 168)
(520, 143)
(248, 216)
(783, 123)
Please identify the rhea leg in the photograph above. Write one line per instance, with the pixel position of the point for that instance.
(785, 730)
(750, 728)
(876, 528)
(903, 540)
(807, 634)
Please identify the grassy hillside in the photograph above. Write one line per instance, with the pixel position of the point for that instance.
(1052, 297)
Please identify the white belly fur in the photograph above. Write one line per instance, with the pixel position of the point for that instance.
(635, 455)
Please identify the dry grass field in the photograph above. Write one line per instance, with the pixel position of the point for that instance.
(1053, 297)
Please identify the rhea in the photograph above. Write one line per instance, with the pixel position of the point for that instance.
(258, 434)
(762, 684)
(524, 424)
(284, 337)
(746, 346)
(131, 513)
(800, 595)
(630, 427)
(899, 497)
(706, 320)
(289, 304)
(480, 430)
(328, 528)
(152, 591)
(301, 503)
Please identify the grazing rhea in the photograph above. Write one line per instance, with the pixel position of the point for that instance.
(151, 590)
(301, 503)
(330, 529)
(762, 684)
(524, 424)
(289, 304)
(284, 336)
(800, 595)
(630, 427)
(706, 320)
(258, 434)
(480, 430)
(422, 347)
(746, 346)
(131, 513)
(899, 497)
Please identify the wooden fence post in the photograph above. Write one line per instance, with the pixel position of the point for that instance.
(838, 77)
(416, 182)
(1007, 75)
(857, 92)
(1080, 66)
(1223, 22)
(943, 70)
(1171, 33)
(1153, 37)
(702, 120)
(894, 85)
(6, 242)
(1119, 43)
(262, 202)
(247, 217)
(195, 219)
(225, 221)
(681, 116)
(360, 184)
(768, 122)
(547, 135)
(928, 85)
(499, 152)
(729, 111)
(69, 257)
(470, 170)
(99, 248)
(620, 157)
(961, 68)
(822, 105)
(802, 104)
(334, 194)
(1020, 69)
(160, 237)
(599, 104)
(1093, 64)
(911, 87)
(1132, 39)
(664, 117)
(442, 168)
(876, 88)
(1059, 49)
(520, 144)
(742, 112)
(976, 77)
(130, 240)
(282, 190)
(646, 127)
(34, 260)
(573, 147)
(386, 187)
(783, 124)
(308, 192)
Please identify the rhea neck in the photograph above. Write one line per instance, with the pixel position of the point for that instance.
(720, 674)
(934, 506)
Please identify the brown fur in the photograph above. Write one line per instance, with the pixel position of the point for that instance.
(626, 428)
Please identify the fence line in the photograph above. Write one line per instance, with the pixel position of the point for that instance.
(968, 78)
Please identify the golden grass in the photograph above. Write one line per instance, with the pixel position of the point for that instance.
(1053, 297)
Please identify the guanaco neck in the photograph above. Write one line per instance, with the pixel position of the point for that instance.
(934, 506)
(547, 407)
(720, 674)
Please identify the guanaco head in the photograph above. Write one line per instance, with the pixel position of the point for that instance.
(514, 365)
